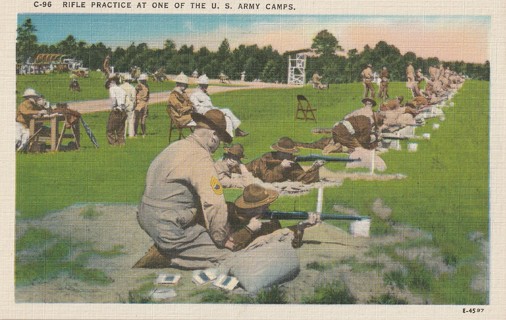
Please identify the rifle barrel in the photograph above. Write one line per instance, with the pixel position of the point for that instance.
(313, 157)
(301, 215)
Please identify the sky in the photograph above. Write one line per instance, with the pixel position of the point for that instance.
(447, 37)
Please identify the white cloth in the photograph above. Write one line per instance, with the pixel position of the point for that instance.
(117, 96)
(130, 107)
(202, 103)
(22, 136)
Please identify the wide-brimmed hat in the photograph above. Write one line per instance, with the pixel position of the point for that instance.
(143, 77)
(30, 93)
(215, 120)
(181, 78)
(285, 144)
(203, 79)
(369, 65)
(235, 150)
(369, 100)
(255, 196)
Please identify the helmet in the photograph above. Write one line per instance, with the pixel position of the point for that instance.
(181, 78)
(203, 79)
(143, 76)
(30, 93)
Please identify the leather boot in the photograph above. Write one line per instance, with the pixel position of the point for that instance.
(240, 133)
(153, 260)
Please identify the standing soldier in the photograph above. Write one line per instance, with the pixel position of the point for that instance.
(419, 77)
(141, 108)
(367, 77)
(384, 79)
(117, 117)
(106, 66)
(129, 104)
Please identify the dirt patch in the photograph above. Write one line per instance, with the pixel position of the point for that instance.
(328, 254)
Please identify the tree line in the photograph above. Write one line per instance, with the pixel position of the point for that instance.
(265, 63)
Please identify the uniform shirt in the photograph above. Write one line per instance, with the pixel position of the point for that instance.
(384, 75)
(268, 169)
(241, 235)
(117, 96)
(182, 178)
(142, 96)
(228, 180)
(410, 73)
(129, 95)
(364, 111)
(390, 105)
(362, 135)
(26, 110)
(179, 107)
(367, 74)
(201, 101)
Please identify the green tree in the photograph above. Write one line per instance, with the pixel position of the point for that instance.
(26, 41)
(325, 43)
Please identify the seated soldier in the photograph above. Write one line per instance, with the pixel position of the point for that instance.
(202, 103)
(179, 106)
(232, 173)
(245, 212)
(279, 166)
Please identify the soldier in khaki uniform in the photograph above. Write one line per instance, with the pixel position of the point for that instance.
(245, 212)
(279, 166)
(32, 105)
(180, 107)
(384, 79)
(231, 164)
(367, 77)
(357, 131)
(183, 208)
(141, 107)
(392, 104)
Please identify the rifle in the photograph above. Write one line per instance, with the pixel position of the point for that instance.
(89, 133)
(313, 157)
(393, 136)
(302, 215)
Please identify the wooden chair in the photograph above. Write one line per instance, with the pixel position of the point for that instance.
(174, 126)
(304, 107)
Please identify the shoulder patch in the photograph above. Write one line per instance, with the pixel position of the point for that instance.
(216, 186)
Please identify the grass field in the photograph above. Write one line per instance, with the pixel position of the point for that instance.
(445, 193)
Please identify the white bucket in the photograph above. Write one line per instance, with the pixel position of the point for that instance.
(435, 126)
(442, 118)
(360, 228)
(412, 147)
(426, 136)
(452, 104)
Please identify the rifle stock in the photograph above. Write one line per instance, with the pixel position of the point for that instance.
(302, 215)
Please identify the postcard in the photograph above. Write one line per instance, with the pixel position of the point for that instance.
(145, 140)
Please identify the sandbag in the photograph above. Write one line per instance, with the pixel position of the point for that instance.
(267, 261)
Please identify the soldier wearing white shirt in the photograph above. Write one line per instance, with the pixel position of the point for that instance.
(202, 103)
(129, 104)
